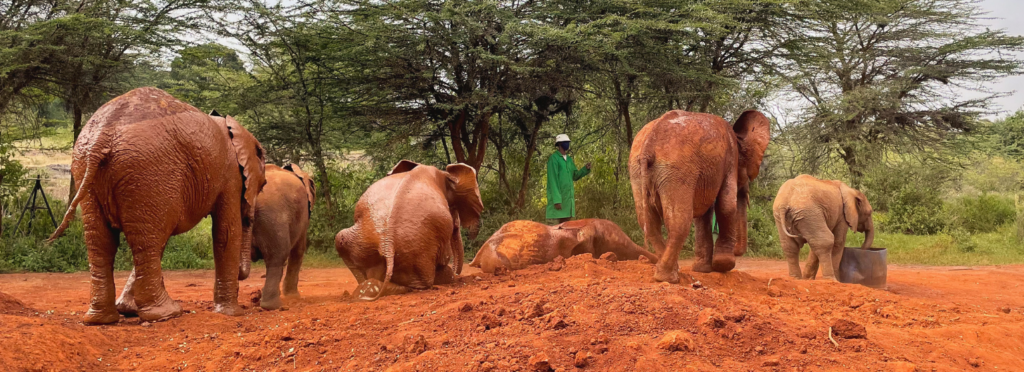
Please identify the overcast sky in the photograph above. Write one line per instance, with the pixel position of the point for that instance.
(1002, 14)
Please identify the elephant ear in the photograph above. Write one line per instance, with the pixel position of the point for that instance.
(403, 166)
(464, 196)
(753, 131)
(850, 205)
(251, 162)
(307, 183)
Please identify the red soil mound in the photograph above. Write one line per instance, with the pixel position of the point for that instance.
(583, 313)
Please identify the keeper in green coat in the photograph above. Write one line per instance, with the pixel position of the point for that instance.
(562, 173)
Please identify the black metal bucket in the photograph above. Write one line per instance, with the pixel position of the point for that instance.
(866, 267)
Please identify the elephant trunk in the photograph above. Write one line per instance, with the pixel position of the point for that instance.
(741, 234)
(869, 234)
(245, 253)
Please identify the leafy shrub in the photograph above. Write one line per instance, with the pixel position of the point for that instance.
(982, 213)
(915, 211)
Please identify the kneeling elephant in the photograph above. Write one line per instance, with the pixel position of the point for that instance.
(406, 233)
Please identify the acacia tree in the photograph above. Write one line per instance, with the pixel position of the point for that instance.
(890, 76)
(448, 66)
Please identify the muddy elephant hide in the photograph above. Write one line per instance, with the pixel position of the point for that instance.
(150, 166)
(406, 233)
(522, 243)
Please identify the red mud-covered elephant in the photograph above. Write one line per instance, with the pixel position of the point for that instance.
(406, 232)
(518, 244)
(283, 210)
(150, 166)
(687, 165)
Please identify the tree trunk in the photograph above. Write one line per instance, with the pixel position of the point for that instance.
(531, 148)
(470, 149)
(325, 183)
(76, 129)
(854, 165)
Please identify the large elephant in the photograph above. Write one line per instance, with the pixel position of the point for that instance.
(406, 233)
(687, 167)
(819, 213)
(151, 166)
(518, 244)
(283, 210)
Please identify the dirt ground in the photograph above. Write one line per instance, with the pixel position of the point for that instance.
(584, 314)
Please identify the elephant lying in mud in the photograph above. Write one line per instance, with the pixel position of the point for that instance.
(522, 243)
(283, 210)
(819, 213)
(406, 233)
(151, 166)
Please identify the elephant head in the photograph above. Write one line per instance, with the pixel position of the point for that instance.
(307, 183)
(251, 164)
(857, 212)
(752, 136)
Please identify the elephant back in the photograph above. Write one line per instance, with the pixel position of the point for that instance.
(524, 243)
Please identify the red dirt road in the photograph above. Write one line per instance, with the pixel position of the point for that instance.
(595, 314)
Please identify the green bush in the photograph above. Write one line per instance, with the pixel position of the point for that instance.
(915, 211)
(982, 213)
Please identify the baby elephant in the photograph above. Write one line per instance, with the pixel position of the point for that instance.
(818, 213)
(279, 233)
(406, 234)
(522, 243)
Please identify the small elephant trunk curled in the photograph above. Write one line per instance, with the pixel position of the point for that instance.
(869, 234)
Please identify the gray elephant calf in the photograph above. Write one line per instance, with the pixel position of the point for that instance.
(819, 213)
(279, 233)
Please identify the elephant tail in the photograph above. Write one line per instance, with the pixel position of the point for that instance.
(92, 163)
(786, 221)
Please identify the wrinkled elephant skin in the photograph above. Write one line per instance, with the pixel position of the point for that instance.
(283, 210)
(406, 234)
(819, 213)
(522, 243)
(685, 168)
(150, 166)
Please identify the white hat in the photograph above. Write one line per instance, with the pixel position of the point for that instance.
(562, 138)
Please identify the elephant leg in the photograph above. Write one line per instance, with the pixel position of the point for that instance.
(291, 279)
(839, 246)
(444, 274)
(227, 244)
(271, 298)
(811, 266)
(652, 231)
(101, 241)
(678, 220)
(791, 249)
(151, 298)
(821, 241)
(705, 242)
(729, 223)
(126, 302)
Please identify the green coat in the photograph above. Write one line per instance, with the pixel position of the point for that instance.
(561, 174)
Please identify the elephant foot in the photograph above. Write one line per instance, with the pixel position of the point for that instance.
(723, 263)
(701, 267)
(127, 307)
(292, 294)
(829, 278)
(369, 289)
(163, 310)
(666, 276)
(270, 303)
(229, 308)
(96, 317)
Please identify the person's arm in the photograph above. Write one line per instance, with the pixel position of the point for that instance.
(578, 173)
(554, 194)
